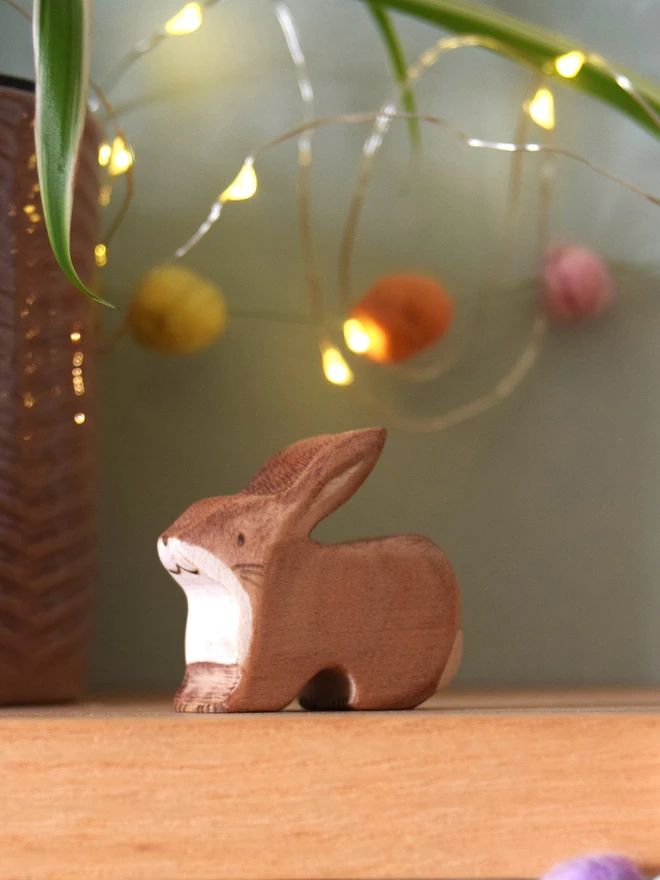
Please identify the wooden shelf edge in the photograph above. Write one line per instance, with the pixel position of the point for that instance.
(111, 704)
(490, 785)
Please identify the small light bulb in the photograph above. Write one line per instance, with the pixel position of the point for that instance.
(104, 195)
(121, 157)
(79, 418)
(335, 367)
(75, 336)
(364, 336)
(105, 151)
(357, 338)
(29, 209)
(244, 185)
(185, 21)
(570, 65)
(100, 255)
(542, 109)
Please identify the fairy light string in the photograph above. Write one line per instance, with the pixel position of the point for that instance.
(380, 128)
(531, 350)
(245, 183)
(360, 118)
(186, 21)
(533, 345)
(451, 351)
(331, 358)
(539, 108)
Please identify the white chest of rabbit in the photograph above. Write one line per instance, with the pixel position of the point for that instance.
(219, 622)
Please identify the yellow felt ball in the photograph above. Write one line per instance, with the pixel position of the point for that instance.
(176, 310)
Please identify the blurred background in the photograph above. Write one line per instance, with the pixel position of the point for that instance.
(549, 505)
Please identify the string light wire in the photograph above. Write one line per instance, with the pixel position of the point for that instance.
(362, 117)
(624, 83)
(456, 345)
(380, 128)
(452, 350)
(533, 345)
(145, 46)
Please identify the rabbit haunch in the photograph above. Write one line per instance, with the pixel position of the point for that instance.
(270, 610)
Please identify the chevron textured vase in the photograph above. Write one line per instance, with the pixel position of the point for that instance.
(47, 452)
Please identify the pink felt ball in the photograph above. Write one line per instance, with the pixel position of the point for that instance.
(595, 867)
(576, 284)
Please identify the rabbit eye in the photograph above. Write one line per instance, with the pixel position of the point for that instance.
(241, 539)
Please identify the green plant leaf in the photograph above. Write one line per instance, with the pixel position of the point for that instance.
(61, 51)
(399, 66)
(537, 46)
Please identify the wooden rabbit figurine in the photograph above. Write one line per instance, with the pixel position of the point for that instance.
(274, 615)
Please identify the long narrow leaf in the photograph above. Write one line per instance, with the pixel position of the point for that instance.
(399, 66)
(61, 51)
(537, 45)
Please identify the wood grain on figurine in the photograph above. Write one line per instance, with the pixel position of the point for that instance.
(274, 615)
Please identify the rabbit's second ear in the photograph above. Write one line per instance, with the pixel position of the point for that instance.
(336, 472)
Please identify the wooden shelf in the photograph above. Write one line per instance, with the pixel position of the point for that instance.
(470, 785)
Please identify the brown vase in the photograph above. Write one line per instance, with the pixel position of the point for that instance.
(47, 449)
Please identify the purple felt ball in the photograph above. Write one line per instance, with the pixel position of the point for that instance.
(595, 867)
(576, 284)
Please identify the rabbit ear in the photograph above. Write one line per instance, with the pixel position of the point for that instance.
(334, 468)
(315, 476)
(282, 470)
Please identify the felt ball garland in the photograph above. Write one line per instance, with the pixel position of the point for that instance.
(576, 284)
(398, 317)
(595, 867)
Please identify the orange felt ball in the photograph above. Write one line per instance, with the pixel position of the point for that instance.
(408, 313)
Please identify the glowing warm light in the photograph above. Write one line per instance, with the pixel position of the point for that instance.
(29, 209)
(542, 109)
(186, 21)
(105, 151)
(104, 195)
(335, 367)
(401, 314)
(75, 336)
(244, 185)
(357, 338)
(364, 336)
(101, 257)
(570, 65)
(79, 418)
(121, 157)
